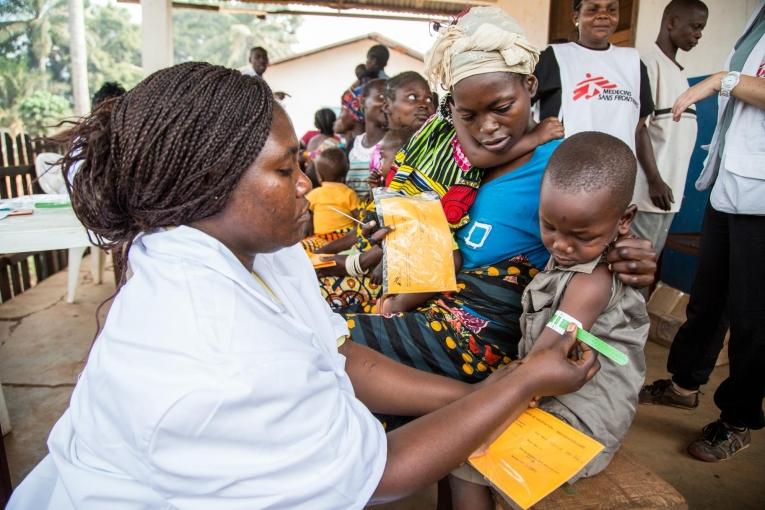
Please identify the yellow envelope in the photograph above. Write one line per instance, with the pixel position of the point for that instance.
(418, 252)
(535, 455)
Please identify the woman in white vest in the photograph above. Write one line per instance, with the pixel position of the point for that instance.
(592, 85)
(221, 378)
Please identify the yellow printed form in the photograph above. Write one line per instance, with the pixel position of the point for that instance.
(535, 455)
(418, 252)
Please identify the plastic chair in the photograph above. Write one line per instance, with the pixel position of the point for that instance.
(49, 173)
(51, 179)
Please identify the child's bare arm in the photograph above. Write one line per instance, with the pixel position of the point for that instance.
(585, 299)
(403, 302)
(549, 129)
(344, 243)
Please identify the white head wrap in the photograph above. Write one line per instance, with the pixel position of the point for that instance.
(485, 40)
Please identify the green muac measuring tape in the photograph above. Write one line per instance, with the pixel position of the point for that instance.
(560, 321)
(51, 205)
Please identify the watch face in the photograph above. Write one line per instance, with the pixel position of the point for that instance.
(729, 81)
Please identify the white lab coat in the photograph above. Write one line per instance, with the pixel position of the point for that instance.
(737, 176)
(203, 392)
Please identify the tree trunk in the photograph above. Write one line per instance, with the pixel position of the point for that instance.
(79, 57)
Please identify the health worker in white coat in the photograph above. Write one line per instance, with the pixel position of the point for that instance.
(727, 289)
(221, 379)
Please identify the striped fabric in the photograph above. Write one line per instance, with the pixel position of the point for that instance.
(357, 179)
(433, 160)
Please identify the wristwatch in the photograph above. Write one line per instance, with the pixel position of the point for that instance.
(729, 82)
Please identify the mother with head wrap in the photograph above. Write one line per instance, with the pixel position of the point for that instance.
(481, 137)
(442, 156)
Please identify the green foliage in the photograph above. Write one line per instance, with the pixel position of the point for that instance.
(42, 110)
(34, 50)
(30, 28)
(114, 47)
(32, 33)
(17, 81)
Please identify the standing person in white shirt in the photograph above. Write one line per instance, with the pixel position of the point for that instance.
(671, 142)
(728, 287)
(372, 99)
(221, 379)
(258, 62)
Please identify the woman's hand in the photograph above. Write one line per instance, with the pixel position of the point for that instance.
(376, 276)
(374, 233)
(563, 367)
(371, 258)
(375, 179)
(634, 261)
(693, 95)
(384, 304)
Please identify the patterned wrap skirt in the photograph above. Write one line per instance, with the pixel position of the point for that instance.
(465, 334)
(350, 294)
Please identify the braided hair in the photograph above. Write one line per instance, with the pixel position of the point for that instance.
(324, 120)
(168, 152)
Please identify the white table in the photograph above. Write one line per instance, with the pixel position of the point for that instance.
(51, 229)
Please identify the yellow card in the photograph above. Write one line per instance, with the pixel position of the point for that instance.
(418, 252)
(535, 455)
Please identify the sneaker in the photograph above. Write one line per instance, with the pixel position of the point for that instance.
(719, 441)
(661, 392)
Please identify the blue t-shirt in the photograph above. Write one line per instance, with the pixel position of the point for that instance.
(504, 219)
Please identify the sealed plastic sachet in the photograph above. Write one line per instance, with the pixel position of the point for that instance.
(417, 253)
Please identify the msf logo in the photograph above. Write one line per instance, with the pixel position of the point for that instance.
(591, 87)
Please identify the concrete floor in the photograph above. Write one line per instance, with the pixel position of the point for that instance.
(44, 340)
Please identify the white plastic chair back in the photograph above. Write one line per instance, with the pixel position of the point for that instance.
(49, 173)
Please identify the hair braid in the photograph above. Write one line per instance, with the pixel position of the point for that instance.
(169, 152)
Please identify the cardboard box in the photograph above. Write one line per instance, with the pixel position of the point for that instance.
(666, 309)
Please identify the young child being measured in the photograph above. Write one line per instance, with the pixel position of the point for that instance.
(584, 205)
(333, 195)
